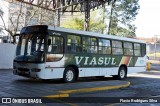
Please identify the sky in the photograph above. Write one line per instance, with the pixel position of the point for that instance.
(148, 19)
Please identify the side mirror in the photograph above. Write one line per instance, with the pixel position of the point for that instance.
(17, 35)
(49, 42)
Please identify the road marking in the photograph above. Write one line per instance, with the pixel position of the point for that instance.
(65, 93)
(60, 96)
(94, 89)
(57, 96)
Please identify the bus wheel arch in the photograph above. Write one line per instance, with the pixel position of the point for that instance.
(122, 72)
(72, 71)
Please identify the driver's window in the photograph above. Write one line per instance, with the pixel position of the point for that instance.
(55, 48)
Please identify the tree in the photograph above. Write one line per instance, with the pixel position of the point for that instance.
(13, 21)
(122, 14)
(21, 14)
(1, 15)
(96, 23)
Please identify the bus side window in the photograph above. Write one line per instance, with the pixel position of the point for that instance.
(117, 47)
(128, 48)
(74, 43)
(137, 49)
(55, 49)
(104, 46)
(89, 45)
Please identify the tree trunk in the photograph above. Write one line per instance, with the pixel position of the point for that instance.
(14, 39)
(110, 20)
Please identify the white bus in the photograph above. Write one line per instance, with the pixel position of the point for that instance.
(46, 52)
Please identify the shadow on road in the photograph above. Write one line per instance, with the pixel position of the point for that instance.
(60, 81)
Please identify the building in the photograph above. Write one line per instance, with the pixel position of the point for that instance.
(17, 15)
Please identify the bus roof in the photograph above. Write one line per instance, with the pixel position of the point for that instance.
(43, 29)
(67, 30)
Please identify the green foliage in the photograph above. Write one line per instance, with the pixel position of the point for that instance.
(96, 23)
(123, 13)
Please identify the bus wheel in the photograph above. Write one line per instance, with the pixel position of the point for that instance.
(69, 75)
(122, 74)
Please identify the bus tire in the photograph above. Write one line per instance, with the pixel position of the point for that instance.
(69, 75)
(122, 74)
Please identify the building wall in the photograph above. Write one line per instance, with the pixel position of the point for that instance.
(7, 54)
(151, 48)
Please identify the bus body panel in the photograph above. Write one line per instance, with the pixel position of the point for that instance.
(29, 70)
(54, 73)
(136, 69)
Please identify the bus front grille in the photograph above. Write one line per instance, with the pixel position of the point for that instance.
(23, 69)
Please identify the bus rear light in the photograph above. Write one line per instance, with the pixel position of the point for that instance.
(35, 70)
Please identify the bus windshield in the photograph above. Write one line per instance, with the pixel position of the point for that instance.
(30, 48)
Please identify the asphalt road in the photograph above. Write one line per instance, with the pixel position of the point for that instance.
(145, 85)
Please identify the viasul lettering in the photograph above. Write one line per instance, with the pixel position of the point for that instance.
(95, 61)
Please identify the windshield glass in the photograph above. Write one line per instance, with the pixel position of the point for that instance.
(31, 48)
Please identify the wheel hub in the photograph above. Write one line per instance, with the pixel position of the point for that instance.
(69, 75)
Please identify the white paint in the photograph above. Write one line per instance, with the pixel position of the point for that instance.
(88, 72)
(105, 72)
(7, 54)
(141, 61)
(78, 61)
(52, 73)
(136, 69)
(93, 61)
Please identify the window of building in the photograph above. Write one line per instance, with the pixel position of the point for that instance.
(74, 43)
(117, 48)
(104, 46)
(89, 44)
(128, 48)
(137, 49)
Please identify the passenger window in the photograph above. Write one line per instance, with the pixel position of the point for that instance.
(128, 48)
(137, 49)
(104, 46)
(55, 49)
(117, 48)
(89, 44)
(74, 43)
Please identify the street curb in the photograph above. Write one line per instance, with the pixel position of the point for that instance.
(66, 93)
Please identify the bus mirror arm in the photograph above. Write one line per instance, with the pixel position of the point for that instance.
(17, 35)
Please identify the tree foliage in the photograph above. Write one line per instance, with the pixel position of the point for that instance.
(122, 14)
(96, 23)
